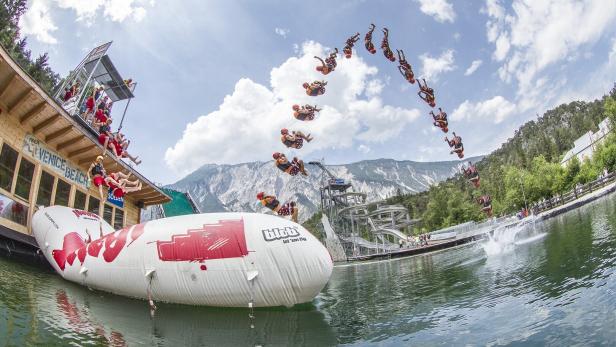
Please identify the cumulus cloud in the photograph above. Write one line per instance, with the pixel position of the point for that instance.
(37, 22)
(435, 66)
(441, 10)
(474, 66)
(246, 126)
(282, 32)
(364, 149)
(496, 109)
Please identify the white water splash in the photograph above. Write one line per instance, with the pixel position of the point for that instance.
(503, 240)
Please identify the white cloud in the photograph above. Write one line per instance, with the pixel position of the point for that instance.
(496, 109)
(282, 32)
(37, 22)
(364, 149)
(246, 125)
(433, 67)
(441, 10)
(474, 66)
(119, 10)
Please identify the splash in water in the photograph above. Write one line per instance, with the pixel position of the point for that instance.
(503, 240)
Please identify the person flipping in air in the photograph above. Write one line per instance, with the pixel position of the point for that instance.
(119, 184)
(486, 204)
(405, 68)
(286, 209)
(440, 120)
(315, 88)
(426, 93)
(96, 174)
(291, 167)
(471, 174)
(456, 144)
(348, 47)
(329, 64)
(305, 113)
(295, 139)
(368, 40)
(385, 46)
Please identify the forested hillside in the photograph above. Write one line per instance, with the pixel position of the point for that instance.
(528, 164)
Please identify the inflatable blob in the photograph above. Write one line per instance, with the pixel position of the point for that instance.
(213, 259)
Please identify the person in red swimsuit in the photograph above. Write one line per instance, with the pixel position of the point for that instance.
(295, 139)
(329, 64)
(305, 113)
(287, 209)
(120, 185)
(426, 93)
(385, 46)
(121, 144)
(292, 168)
(368, 40)
(348, 47)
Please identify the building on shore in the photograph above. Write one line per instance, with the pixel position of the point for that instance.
(46, 149)
(585, 146)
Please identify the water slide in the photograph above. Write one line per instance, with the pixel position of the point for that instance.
(332, 242)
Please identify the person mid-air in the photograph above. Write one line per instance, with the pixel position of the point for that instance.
(286, 209)
(405, 68)
(440, 120)
(486, 204)
(305, 113)
(368, 40)
(456, 144)
(295, 139)
(348, 47)
(315, 88)
(329, 64)
(426, 93)
(385, 46)
(471, 174)
(293, 167)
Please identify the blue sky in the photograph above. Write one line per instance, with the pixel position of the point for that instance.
(217, 78)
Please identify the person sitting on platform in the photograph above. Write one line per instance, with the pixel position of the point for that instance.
(291, 167)
(456, 144)
(96, 174)
(295, 139)
(287, 209)
(368, 40)
(486, 204)
(305, 113)
(105, 137)
(440, 120)
(71, 91)
(405, 68)
(329, 64)
(385, 46)
(315, 88)
(426, 93)
(348, 48)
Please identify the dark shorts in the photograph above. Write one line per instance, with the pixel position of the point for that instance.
(286, 209)
(294, 169)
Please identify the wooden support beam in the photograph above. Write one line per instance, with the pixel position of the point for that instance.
(58, 133)
(47, 122)
(68, 143)
(33, 112)
(156, 201)
(82, 150)
(8, 86)
(21, 99)
(87, 160)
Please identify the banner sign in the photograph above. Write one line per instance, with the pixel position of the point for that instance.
(37, 150)
(119, 202)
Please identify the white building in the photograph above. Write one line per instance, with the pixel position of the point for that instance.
(585, 146)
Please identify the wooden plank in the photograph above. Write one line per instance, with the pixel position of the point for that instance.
(87, 160)
(81, 150)
(46, 123)
(21, 99)
(8, 86)
(58, 133)
(70, 142)
(33, 112)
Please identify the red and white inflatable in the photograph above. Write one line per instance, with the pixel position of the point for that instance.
(213, 259)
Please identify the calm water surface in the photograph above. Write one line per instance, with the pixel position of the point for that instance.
(555, 285)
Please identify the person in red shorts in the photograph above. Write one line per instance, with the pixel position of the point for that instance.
(440, 120)
(329, 64)
(120, 185)
(105, 137)
(426, 93)
(385, 46)
(96, 175)
(368, 40)
(348, 48)
(287, 209)
(456, 144)
(291, 167)
(121, 144)
(305, 113)
(295, 139)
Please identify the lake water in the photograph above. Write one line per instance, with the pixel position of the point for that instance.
(553, 283)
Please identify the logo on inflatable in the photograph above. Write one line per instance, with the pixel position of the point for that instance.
(279, 233)
(79, 213)
(225, 239)
(73, 246)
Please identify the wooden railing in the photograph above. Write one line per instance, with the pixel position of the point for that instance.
(574, 194)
